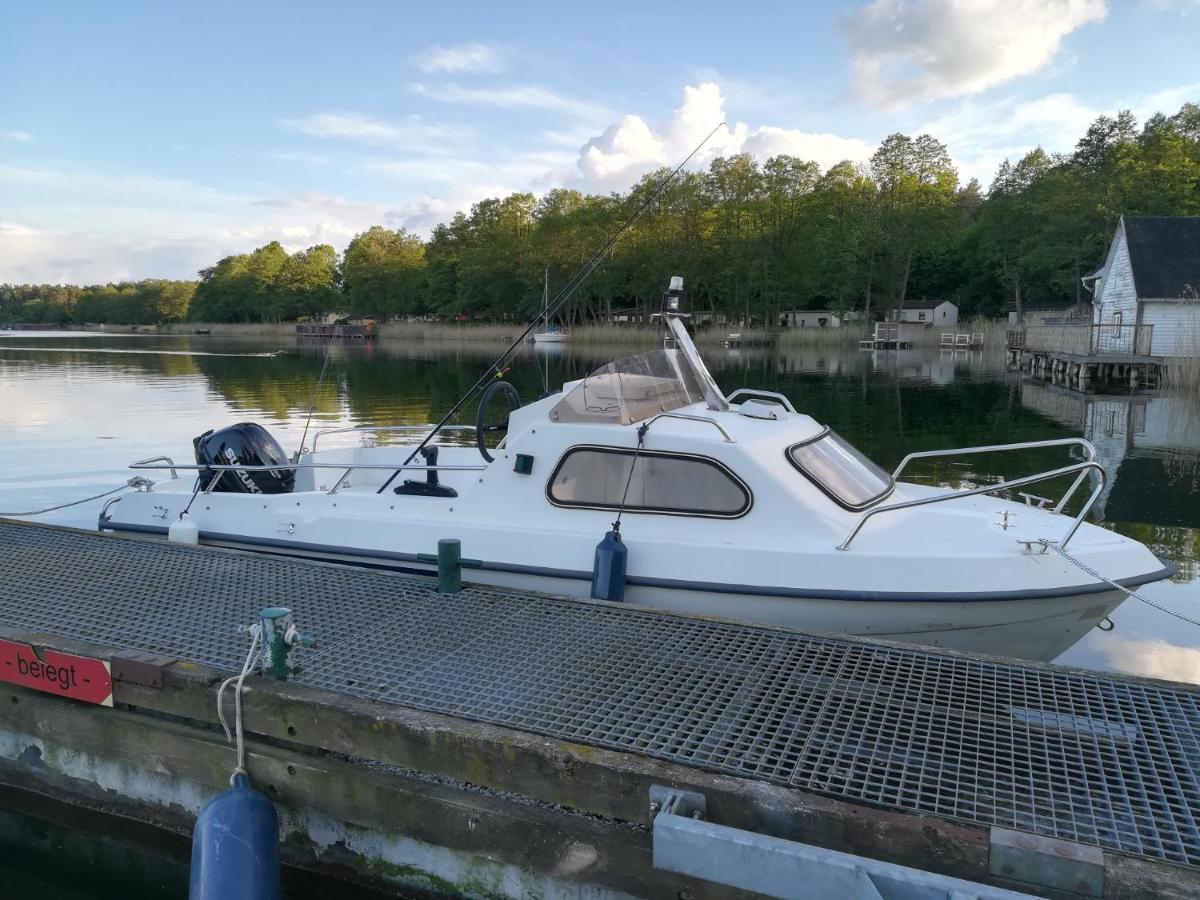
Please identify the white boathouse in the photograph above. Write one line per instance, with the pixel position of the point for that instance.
(1151, 280)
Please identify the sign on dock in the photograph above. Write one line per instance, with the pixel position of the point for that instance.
(63, 674)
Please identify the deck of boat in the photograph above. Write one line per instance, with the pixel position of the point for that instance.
(1094, 758)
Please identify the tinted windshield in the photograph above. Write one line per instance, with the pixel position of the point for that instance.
(841, 471)
(631, 389)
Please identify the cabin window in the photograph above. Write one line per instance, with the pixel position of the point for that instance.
(670, 483)
(841, 471)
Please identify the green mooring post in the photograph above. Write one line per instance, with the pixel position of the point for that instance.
(449, 566)
(279, 636)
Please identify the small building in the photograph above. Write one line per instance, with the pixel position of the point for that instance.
(1150, 282)
(810, 318)
(934, 313)
(1063, 311)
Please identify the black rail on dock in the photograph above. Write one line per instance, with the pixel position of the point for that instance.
(1099, 759)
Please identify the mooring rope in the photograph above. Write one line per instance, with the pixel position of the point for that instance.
(1089, 570)
(251, 658)
(136, 481)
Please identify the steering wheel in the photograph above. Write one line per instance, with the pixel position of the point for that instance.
(482, 429)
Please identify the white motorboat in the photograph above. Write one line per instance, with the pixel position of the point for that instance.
(733, 505)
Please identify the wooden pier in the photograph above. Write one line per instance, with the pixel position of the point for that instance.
(496, 743)
(1082, 355)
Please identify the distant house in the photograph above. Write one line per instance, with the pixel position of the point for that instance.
(810, 318)
(1151, 277)
(938, 313)
(1053, 312)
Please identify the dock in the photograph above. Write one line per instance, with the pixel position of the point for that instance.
(502, 743)
(1079, 356)
(347, 332)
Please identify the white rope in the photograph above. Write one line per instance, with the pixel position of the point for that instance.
(1069, 558)
(251, 659)
(136, 481)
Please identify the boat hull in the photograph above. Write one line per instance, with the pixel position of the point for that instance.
(549, 337)
(1036, 628)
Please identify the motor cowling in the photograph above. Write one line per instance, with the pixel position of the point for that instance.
(244, 444)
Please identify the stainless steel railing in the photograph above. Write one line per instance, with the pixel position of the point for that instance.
(349, 467)
(382, 428)
(690, 418)
(1082, 468)
(756, 392)
(1088, 449)
(170, 464)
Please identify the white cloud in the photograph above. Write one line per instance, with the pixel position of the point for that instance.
(1154, 658)
(926, 49)
(518, 96)
(982, 135)
(469, 57)
(410, 133)
(21, 137)
(631, 147)
(87, 227)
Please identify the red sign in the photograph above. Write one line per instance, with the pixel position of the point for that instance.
(62, 674)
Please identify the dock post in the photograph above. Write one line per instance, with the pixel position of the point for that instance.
(279, 636)
(449, 560)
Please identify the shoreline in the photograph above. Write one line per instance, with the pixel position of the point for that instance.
(638, 335)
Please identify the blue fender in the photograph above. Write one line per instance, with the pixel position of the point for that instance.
(235, 847)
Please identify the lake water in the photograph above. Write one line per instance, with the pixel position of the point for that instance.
(76, 409)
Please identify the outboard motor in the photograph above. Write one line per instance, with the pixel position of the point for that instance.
(247, 444)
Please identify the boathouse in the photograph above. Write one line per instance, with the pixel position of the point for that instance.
(1151, 280)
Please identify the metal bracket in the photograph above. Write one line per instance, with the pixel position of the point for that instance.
(1036, 546)
(675, 802)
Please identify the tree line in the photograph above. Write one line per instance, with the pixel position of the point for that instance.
(752, 239)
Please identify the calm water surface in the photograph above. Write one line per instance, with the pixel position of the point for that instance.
(76, 409)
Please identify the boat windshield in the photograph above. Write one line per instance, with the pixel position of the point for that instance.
(631, 389)
(841, 471)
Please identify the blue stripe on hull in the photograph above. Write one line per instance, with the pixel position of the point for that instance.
(365, 558)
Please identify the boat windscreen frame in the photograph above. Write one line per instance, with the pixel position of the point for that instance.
(829, 491)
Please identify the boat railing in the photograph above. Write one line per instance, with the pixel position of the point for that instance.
(280, 467)
(377, 429)
(1082, 469)
(170, 464)
(690, 418)
(1088, 449)
(771, 395)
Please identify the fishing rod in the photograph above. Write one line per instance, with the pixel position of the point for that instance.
(496, 368)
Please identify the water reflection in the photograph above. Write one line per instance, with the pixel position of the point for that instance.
(74, 414)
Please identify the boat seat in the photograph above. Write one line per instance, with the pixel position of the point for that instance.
(430, 487)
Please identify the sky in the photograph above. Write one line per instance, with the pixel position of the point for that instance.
(149, 139)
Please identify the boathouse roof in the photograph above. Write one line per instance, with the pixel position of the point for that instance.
(1164, 252)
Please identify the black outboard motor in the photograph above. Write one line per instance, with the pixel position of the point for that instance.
(246, 444)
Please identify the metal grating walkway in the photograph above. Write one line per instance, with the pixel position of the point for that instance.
(1084, 757)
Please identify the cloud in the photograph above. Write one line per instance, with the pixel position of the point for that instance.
(1154, 658)
(87, 226)
(926, 49)
(21, 137)
(981, 135)
(410, 133)
(631, 147)
(518, 96)
(469, 57)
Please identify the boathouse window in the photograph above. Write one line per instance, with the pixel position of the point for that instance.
(841, 471)
(671, 483)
